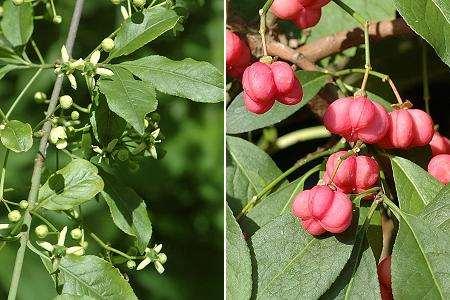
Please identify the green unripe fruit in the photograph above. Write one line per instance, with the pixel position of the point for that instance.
(65, 101)
(41, 231)
(75, 115)
(17, 2)
(76, 233)
(40, 97)
(14, 216)
(139, 3)
(23, 204)
(107, 44)
(123, 155)
(131, 264)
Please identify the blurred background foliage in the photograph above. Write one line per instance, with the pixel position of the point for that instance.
(183, 191)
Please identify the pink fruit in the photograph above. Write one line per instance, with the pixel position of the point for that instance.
(384, 277)
(439, 144)
(255, 107)
(357, 118)
(308, 17)
(289, 90)
(322, 209)
(286, 9)
(238, 55)
(439, 168)
(355, 174)
(263, 84)
(258, 83)
(408, 128)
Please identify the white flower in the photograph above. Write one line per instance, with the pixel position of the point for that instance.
(159, 267)
(47, 246)
(158, 248)
(155, 133)
(73, 81)
(95, 57)
(61, 144)
(76, 250)
(78, 64)
(57, 133)
(4, 226)
(104, 72)
(64, 54)
(62, 236)
(153, 152)
(144, 263)
(124, 12)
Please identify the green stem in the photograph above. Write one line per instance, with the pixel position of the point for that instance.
(394, 208)
(38, 52)
(262, 24)
(111, 249)
(425, 82)
(310, 157)
(3, 175)
(25, 89)
(301, 135)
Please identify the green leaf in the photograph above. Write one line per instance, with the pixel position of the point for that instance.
(197, 81)
(438, 211)
(8, 56)
(106, 125)
(240, 120)
(292, 264)
(128, 210)
(249, 170)
(129, 98)
(92, 276)
(17, 22)
(6, 69)
(335, 19)
(420, 264)
(17, 136)
(431, 20)
(415, 187)
(73, 185)
(239, 266)
(143, 28)
(72, 297)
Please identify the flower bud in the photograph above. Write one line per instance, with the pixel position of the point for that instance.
(57, 19)
(439, 168)
(61, 144)
(57, 133)
(75, 115)
(116, 2)
(76, 233)
(357, 118)
(23, 204)
(40, 97)
(123, 155)
(107, 44)
(139, 3)
(18, 2)
(131, 264)
(162, 258)
(238, 55)
(14, 216)
(65, 101)
(41, 231)
(322, 209)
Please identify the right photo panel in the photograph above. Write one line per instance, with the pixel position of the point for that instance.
(337, 149)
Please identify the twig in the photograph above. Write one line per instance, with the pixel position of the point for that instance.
(40, 158)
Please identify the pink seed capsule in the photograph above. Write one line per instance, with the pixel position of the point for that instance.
(439, 144)
(357, 118)
(408, 128)
(258, 83)
(322, 209)
(289, 90)
(255, 107)
(355, 174)
(308, 17)
(314, 3)
(238, 55)
(286, 9)
(439, 168)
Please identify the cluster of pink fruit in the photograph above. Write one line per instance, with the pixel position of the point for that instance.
(329, 208)
(304, 13)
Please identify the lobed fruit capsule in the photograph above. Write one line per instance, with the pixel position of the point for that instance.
(355, 174)
(322, 209)
(264, 83)
(439, 144)
(304, 13)
(238, 55)
(408, 128)
(439, 168)
(384, 277)
(357, 118)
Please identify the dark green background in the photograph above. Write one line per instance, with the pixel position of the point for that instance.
(184, 191)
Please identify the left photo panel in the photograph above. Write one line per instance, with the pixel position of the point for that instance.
(111, 153)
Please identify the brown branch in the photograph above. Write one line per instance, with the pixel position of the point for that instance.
(340, 41)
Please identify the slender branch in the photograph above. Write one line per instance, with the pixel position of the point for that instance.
(40, 158)
(111, 249)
